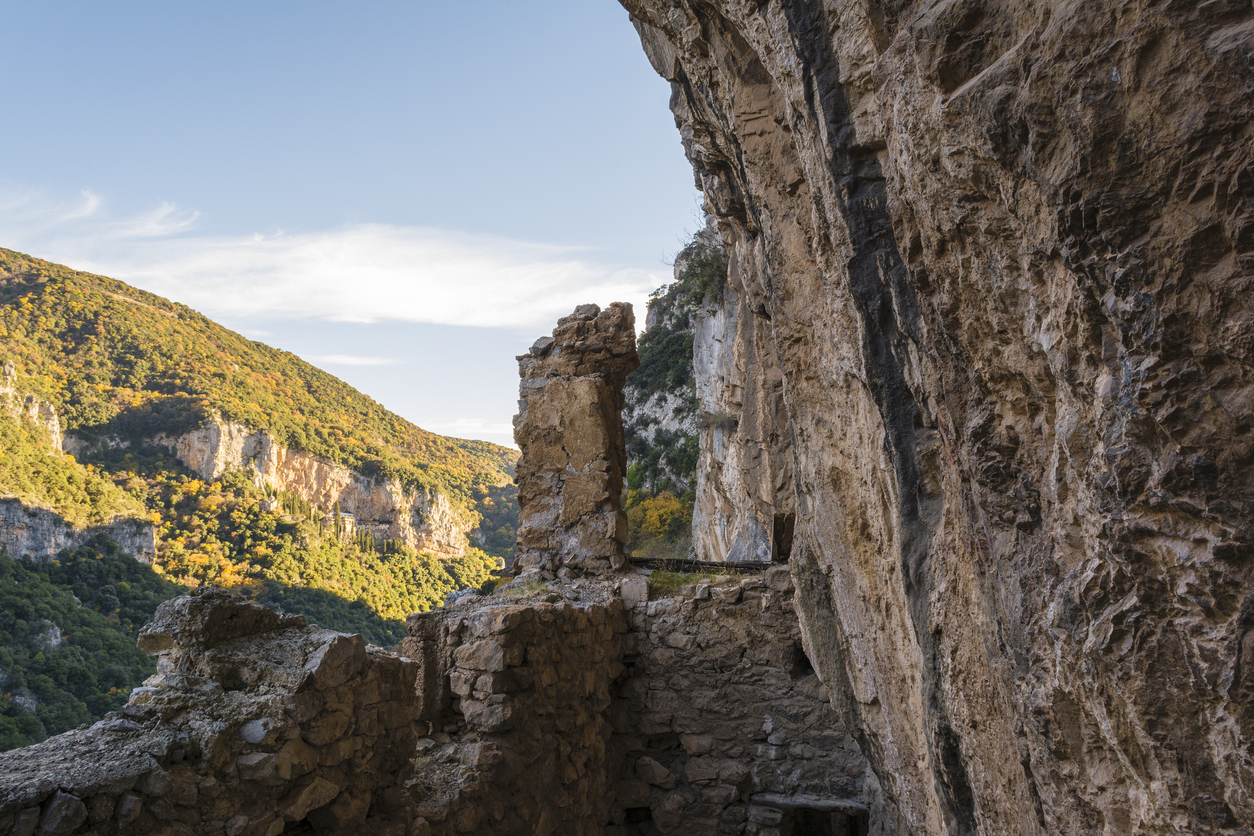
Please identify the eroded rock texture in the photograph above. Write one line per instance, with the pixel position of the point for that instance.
(595, 707)
(255, 724)
(1002, 256)
(745, 508)
(569, 428)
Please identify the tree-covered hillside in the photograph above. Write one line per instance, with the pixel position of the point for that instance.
(114, 360)
(67, 638)
(40, 476)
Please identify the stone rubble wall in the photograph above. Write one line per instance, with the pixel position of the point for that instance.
(570, 431)
(580, 708)
(255, 723)
(721, 724)
(520, 696)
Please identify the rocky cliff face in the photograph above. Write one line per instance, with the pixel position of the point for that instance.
(995, 260)
(423, 520)
(41, 534)
(744, 510)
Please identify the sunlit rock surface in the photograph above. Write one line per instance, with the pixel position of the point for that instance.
(569, 428)
(1000, 257)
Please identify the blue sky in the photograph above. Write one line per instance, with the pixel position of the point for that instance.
(407, 194)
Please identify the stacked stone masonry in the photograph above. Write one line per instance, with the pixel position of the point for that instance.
(580, 708)
(570, 430)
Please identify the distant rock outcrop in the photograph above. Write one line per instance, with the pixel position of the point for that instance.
(422, 520)
(40, 534)
(28, 407)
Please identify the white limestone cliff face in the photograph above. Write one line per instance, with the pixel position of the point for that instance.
(28, 407)
(425, 521)
(744, 510)
(40, 534)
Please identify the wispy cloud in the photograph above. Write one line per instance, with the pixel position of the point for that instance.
(352, 360)
(360, 273)
(500, 432)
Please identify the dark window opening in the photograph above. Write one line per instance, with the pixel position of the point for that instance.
(639, 822)
(803, 822)
(781, 537)
(799, 666)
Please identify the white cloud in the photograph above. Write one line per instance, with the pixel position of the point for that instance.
(352, 360)
(496, 431)
(360, 273)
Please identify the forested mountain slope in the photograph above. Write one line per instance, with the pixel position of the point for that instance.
(116, 361)
(137, 385)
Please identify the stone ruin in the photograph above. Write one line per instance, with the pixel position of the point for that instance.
(570, 429)
(605, 704)
(576, 708)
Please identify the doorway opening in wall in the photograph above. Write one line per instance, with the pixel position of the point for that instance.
(804, 822)
(639, 822)
(781, 537)
(799, 666)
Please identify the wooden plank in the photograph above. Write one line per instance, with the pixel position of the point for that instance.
(808, 802)
(696, 566)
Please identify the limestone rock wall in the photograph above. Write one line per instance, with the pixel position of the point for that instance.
(570, 431)
(744, 509)
(426, 521)
(41, 534)
(1002, 253)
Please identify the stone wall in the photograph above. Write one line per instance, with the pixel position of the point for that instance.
(570, 431)
(255, 724)
(577, 708)
(519, 693)
(721, 724)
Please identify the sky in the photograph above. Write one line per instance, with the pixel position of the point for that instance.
(405, 194)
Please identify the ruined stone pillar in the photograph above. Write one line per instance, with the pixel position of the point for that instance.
(569, 428)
